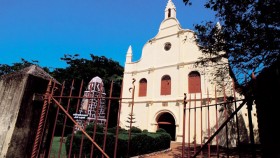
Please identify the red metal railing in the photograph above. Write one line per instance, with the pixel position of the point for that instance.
(198, 107)
(40, 129)
(71, 102)
(216, 132)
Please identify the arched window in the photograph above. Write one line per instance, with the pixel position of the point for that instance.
(165, 85)
(142, 87)
(194, 82)
(169, 12)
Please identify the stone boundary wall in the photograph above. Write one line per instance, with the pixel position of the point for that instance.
(11, 92)
(19, 112)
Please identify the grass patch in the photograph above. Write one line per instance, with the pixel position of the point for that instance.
(55, 147)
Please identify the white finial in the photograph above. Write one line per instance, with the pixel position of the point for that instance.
(218, 26)
(129, 50)
(129, 55)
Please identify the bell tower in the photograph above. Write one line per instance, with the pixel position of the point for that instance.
(170, 10)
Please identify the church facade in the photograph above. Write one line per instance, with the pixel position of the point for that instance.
(162, 76)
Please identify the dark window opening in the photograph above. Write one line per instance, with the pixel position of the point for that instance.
(167, 46)
(169, 12)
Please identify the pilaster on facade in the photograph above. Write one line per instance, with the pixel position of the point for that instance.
(133, 73)
(150, 70)
(180, 65)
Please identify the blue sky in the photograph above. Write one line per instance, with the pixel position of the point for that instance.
(45, 30)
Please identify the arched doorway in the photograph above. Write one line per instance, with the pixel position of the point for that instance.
(167, 122)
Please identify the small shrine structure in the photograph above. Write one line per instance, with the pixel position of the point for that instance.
(93, 107)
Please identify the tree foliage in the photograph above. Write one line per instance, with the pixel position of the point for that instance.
(79, 69)
(6, 69)
(84, 69)
(248, 34)
(130, 120)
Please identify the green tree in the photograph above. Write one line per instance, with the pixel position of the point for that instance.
(6, 69)
(79, 69)
(248, 33)
(130, 120)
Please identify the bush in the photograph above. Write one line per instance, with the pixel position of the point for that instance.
(90, 128)
(135, 130)
(113, 130)
(161, 130)
(140, 143)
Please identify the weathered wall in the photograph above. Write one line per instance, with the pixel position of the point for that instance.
(11, 92)
(19, 114)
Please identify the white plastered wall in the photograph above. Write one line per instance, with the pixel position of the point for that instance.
(177, 62)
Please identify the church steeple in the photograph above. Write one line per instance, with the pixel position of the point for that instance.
(170, 10)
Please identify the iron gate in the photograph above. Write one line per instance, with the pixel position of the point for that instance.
(58, 105)
(57, 112)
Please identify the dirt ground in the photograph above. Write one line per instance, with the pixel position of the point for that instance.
(175, 151)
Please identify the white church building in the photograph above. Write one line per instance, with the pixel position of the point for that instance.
(164, 73)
